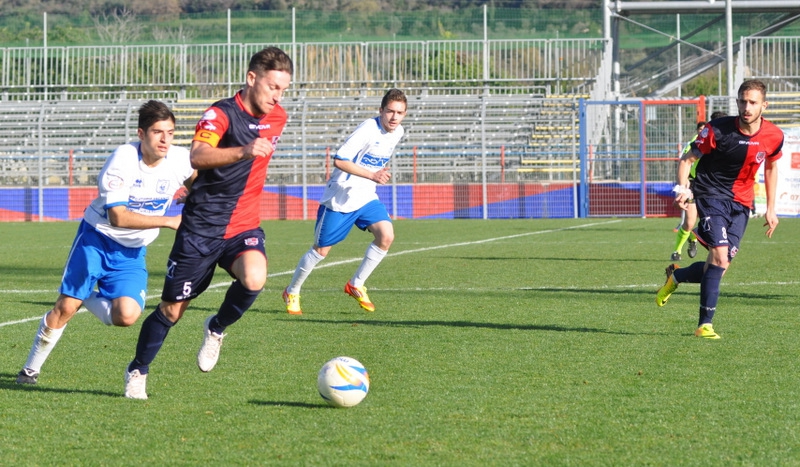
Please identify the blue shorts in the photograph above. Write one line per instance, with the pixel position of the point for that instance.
(194, 258)
(722, 224)
(332, 227)
(117, 270)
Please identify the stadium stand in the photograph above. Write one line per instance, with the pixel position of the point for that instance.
(443, 131)
(784, 109)
(68, 134)
(532, 136)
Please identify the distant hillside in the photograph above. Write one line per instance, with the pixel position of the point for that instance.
(128, 27)
(159, 7)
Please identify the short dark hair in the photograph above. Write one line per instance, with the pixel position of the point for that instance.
(393, 95)
(700, 125)
(718, 114)
(753, 85)
(269, 59)
(152, 112)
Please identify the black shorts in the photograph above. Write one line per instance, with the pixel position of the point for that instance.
(194, 258)
(722, 224)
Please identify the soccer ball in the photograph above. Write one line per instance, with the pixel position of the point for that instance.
(343, 382)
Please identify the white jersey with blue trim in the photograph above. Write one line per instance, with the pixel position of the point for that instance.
(370, 147)
(125, 180)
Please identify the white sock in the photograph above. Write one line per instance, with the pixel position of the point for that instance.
(44, 341)
(100, 307)
(304, 268)
(372, 258)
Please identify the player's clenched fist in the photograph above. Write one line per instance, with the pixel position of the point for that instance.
(382, 176)
(259, 147)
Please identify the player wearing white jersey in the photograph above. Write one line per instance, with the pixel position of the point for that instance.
(350, 198)
(136, 187)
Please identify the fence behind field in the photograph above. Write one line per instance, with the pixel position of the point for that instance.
(213, 70)
(492, 125)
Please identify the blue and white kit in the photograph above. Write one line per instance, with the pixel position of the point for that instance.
(369, 146)
(125, 180)
(113, 257)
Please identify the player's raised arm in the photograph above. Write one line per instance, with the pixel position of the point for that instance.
(205, 156)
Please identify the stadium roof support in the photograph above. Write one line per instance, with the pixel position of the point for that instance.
(614, 12)
(716, 59)
(710, 6)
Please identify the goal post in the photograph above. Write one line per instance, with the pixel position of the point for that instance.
(628, 154)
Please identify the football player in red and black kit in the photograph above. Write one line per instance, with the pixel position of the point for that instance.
(231, 148)
(730, 151)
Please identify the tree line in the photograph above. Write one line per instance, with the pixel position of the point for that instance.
(172, 7)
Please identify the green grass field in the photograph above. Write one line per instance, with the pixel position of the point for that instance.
(520, 342)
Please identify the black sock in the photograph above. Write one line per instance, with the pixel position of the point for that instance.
(237, 300)
(151, 337)
(709, 293)
(692, 274)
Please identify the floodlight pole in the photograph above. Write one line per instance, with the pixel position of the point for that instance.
(729, 55)
(484, 185)
(44, 55)
(230, 71)
(294, 36)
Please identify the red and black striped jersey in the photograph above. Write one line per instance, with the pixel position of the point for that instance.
(729, 160)
(224, 201)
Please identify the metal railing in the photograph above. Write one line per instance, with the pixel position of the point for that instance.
(213, 70)
(775, 60)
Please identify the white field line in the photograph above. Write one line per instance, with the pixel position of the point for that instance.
(420, 250)
(338, 263)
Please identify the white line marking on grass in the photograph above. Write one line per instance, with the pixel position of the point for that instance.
(451, 245)
(353, 260)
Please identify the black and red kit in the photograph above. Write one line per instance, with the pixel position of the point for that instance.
(224, 201)
(729, 159)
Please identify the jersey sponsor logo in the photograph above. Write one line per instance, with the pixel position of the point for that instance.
(206, 125)
(207, 121)
(137, 183)
(748, 142)
(148, 205)
(265, 126)
(251, 241)
(373, 161)
(210, 114)
(114, 182)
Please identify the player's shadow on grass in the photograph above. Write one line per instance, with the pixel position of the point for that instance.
(302, 405)
(41, 304)
(652, 292)
(549, 258)
(611, 290)
(8, 381)
(471, 324)
(756, 296)
(45, 273)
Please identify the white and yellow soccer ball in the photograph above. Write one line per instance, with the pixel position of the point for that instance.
(343, 382)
